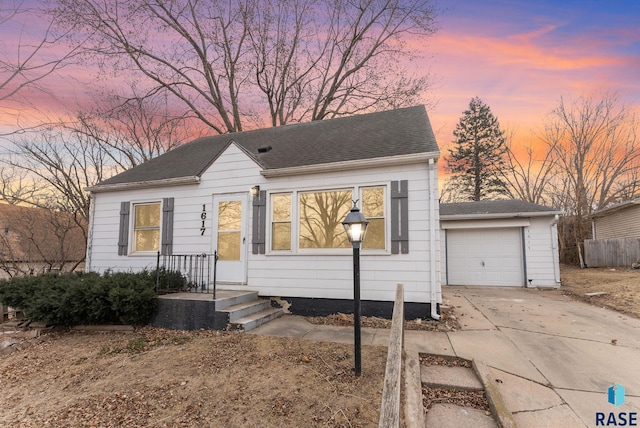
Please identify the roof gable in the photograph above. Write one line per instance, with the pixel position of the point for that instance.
(369, 136)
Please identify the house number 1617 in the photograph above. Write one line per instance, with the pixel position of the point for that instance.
(203, 217)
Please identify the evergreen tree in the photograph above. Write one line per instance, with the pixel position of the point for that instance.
(477, 160)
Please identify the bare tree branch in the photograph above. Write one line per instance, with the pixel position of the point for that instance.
(30, 60)
(529, 179)
(229, 62)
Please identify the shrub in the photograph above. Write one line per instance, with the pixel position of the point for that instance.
(171, 280)
(83, 298)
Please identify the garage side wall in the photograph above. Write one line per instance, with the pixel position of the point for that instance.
(541, 240)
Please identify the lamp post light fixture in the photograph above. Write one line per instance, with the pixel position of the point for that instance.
(355, 224)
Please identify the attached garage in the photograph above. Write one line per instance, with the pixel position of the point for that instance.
(485, 256)
(499, 243)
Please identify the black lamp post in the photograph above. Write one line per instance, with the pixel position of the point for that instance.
(355, 224)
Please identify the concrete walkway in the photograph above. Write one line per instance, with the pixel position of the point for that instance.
(552, 359)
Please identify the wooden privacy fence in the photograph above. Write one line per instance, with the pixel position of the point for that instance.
(617, 252)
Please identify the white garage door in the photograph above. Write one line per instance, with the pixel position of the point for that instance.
(484, 257)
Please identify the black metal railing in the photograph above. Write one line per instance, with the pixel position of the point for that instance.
(195, 273)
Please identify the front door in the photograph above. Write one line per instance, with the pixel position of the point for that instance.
(229, 238)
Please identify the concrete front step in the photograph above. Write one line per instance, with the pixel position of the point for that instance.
(244, 309)
(445, 415)
(256, 319)
(445, 377)
(235, 298)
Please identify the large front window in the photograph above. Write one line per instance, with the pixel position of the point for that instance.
(321, 215)
(146, 228)
(313, 219)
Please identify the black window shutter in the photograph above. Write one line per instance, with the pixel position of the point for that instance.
(167, 226)
(259, 222)
(400, 217)
(123, 235)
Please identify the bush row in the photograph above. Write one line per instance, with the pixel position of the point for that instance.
(83, 298)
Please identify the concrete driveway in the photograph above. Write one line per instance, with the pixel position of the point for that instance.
(552, 358)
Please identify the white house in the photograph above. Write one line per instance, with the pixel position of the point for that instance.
(287, 241)
(499, 243)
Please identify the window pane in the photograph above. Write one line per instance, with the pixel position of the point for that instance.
(147, 215)
(229, 245)
(281, 236)
(281, 207)
(373, 209)
(373, 202)
(147, 240)
(375, 234)
(321, 215)
(229, 215)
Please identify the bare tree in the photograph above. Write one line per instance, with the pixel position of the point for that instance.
(131, 131)
(51, 168)
(60, 166)
(595, 146)
(35, 240)
(529, 177)
(229, 62)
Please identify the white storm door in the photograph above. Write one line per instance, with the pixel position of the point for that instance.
(229, 237)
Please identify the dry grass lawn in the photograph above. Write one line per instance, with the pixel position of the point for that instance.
(162, 378)
(621, 287)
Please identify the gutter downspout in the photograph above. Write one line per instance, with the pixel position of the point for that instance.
(554, 247)
(92, 211)
(434, 283)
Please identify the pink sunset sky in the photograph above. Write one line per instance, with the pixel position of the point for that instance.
(519, 57)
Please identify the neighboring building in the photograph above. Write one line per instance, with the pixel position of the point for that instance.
(35, 241)
(616, 236)
(618, 221)
(499, 243)
(287, 241)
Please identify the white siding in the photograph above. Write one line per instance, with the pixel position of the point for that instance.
(291, 275)
(540, 239)
(620, 224)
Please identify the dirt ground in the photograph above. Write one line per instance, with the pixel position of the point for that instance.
(162, 378)
(621, 287)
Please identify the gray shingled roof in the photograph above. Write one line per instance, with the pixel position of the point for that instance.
(506, 206)
(390, 133)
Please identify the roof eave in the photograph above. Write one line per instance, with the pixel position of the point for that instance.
(408, 159)
(177, 181)
(487, 216)
(606, 211)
